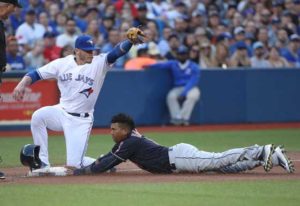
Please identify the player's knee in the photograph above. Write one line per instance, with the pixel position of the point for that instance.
(37, 118)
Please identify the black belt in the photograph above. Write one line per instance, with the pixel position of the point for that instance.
(79, 115)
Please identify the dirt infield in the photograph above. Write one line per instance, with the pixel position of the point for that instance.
(129, 173)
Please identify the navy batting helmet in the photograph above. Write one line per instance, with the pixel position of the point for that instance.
(29, 156)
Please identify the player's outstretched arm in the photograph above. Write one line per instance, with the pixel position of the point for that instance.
(134, 36)
(27, 80)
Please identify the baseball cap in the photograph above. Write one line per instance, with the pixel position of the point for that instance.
(141, 7)
(85, 42)
(14, 2)
(49, 34)
(257, 45)
(294, 37)
(224, 35)
(238, 30)
(30, 12)
(182, 50)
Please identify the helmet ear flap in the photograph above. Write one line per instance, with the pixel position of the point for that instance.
(29, 156)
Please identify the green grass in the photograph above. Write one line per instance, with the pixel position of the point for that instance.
(252, 193)
(277, 193)
(209, 141)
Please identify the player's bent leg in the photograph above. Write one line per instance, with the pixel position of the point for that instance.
(173, 104)
(77, 131)
(192, 97)
(46, 117)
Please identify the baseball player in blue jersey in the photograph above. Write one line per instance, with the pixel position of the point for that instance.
(80, 78)
(182, 157)
(182, 98)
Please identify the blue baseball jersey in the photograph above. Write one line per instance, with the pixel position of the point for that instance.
(142, 151)
(186, 75)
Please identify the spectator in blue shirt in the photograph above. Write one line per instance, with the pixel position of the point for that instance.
(14, 60)
(182, 98)
(292, 52)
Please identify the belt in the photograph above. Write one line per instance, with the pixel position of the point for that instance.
(79, 114)
(171, 159)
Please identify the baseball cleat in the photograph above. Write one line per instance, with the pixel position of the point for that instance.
(268, 150)
(283, 159)
(2, 176)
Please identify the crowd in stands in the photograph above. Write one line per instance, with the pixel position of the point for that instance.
(219, 33)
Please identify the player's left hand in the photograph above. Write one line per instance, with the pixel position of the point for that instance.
(136, 35)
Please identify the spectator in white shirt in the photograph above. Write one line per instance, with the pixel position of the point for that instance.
(29, 32)
(259, 60)
(69, 36)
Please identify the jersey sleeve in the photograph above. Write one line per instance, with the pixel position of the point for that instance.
(119, 153)
(50, 70)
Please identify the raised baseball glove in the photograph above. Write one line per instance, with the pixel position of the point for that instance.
(136, 36)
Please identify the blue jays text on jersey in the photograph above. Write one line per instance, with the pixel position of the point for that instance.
(80, 77)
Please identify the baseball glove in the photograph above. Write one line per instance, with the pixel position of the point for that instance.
(136, 36)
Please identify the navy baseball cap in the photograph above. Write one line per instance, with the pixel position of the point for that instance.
(85, 42)
(182, 50)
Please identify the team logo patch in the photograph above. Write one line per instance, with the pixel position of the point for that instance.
(87, 92)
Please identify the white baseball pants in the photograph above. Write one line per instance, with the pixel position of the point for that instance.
(76, 131)
(188, 158)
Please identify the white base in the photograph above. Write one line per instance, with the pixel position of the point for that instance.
(48, 171)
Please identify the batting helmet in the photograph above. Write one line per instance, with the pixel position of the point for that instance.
(29, 156)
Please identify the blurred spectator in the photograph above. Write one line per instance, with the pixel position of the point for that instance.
(275, 60)
(92, 13)
(206, 55)
(60, 23)
(158, 8)
(194, 54)
(113, 40)
(292, 52)
(141, 19)
(34, 59)
(51, 51)
(69, 36)
(213, 22)
(80, 12)
(240, 56)
(179, 11)
(282, 39)
(126, 9)
(239, 36)
(142, 60)
(263, 37)
(200, 35)
(221, 59)
(29, 32)
(16, 19)
(108, 23)
(93, 31)
(259, 60)
(182, 98)
(163, 44)
(14, 59)
(197, 20)
(174, 43)
(66, 51)
(189, 40)
(44, 21)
